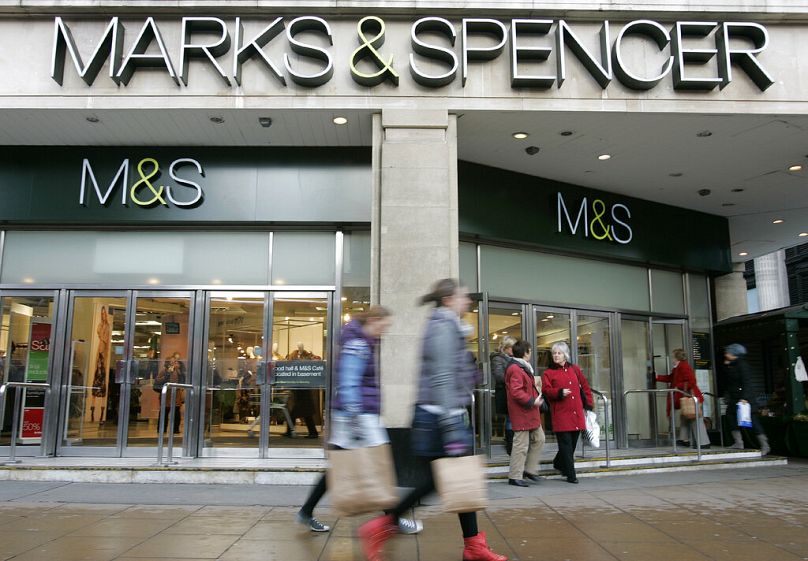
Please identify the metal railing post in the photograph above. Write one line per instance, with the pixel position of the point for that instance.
(171, 416)
(473, 423)
(717, 406)
(15, 414)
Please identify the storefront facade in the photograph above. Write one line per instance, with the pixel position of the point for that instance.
(190, 187)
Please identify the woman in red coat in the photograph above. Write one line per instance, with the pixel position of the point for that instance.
(567, 390)
(524, 401)
(683, 378)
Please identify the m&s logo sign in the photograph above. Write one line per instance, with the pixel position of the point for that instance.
(602, 224)
(146, 191)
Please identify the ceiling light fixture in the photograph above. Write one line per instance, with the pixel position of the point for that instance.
(676, 174)
(778, 221)
(92, 119)
(216, 119)
(743, 253)
(532, 150)
(804, 234)
(340, 120)
(265, 122)
(566, 133)
(520, 135)
(737, 190)
(727, 204)
(704, 134)
(604, 157)
(795, 168)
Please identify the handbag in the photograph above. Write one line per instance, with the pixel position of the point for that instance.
(744, 415)
(688, 407)
(461, 484)
(361, 480)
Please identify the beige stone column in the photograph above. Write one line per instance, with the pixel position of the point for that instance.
(771, 280)
(414, 237)
(730, 294)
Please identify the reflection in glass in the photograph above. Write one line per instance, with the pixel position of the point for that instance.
(551, 327)
(25, 334)
(161, 347)
(666, 337)
(595, 359)
(298, 380)
(96, 347)
(234, 352)
(634, 336)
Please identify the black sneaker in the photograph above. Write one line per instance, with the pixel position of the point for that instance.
(313, 524)
(409, 526)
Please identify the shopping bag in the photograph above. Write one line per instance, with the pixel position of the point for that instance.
(687, 407)
(361, 480)
(592, 432)
(744, 414)
(461, 483)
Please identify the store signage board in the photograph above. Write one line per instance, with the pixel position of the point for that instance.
(298, 373)
(696, 55)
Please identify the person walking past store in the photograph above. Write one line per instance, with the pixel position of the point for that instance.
(683, 378)
(500, 359)
(738, 380)
(355, 421)
(567, 390)
(440, 428)
(524, 403)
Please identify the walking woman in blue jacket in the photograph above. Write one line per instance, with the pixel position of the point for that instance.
(448, 376)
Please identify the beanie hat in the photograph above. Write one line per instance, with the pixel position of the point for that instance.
(736, 349)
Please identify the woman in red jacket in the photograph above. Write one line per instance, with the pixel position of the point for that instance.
(524, 401)
(567, 390)
(683, 378)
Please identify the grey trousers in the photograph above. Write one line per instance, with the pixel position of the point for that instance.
(688, 428)
(527, 446)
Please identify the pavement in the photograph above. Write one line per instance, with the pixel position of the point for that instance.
(749, 514)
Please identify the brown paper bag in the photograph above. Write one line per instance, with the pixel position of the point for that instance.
(361, 480)
(688, 407)
(461, 483)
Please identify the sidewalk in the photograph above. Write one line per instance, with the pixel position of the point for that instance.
(756, 514)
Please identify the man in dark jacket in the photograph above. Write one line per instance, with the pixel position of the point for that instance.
(500, 360)
(739, 390)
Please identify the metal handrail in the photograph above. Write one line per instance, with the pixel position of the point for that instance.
(15, 416)
(717, 405)
(671, 392)
(606, 414)
(162, 423)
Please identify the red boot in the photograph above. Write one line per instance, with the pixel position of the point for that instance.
(477, 550)
(374, 533)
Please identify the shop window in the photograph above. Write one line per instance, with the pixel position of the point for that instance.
(667, 292)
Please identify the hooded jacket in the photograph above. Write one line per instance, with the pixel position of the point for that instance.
(357, 384)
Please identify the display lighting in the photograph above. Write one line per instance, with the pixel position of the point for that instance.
(795, 168)
(803, 234)
(778, 221)
(604, 157)
(743, 253)
(520, 135)
(340, 120)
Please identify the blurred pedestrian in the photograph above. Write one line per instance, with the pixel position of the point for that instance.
(500, 359)
(355, 421)
(738, 377)
(524, 402)
(567, 390)
(683, 378)
(440, 426)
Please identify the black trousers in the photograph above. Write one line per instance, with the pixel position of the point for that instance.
(564, 460)
(177, 418)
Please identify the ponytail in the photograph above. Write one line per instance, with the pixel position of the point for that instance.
(440, 290)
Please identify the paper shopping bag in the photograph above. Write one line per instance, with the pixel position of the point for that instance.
(688, 407)
(461, 483)
(361, 480)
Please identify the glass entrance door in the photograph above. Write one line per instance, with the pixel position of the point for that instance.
(504, 321)
(26, 331)
(666, 335)
(121, 347)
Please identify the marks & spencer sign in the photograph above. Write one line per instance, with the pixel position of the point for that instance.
(694, 55)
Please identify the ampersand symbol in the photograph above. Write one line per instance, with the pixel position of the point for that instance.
(144, 182)
(599, 212)
(368, 48)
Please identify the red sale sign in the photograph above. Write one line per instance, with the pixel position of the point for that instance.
(32, 422)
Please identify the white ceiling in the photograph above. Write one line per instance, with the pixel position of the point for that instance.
(749, 152)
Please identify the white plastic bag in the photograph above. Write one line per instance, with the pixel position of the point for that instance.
(744, 413)
(799, 370)
(592, 432)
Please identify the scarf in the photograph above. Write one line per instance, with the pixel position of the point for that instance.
(525, 364)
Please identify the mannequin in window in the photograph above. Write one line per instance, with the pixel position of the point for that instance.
(173, 372)
(304, 400)
(99, 391)
(275, 354)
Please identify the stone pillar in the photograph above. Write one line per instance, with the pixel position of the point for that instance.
(730, 294)
(414, 237)
(771, 280)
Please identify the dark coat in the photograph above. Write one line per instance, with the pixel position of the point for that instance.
(738, 377)
(522, 396)
(681, 378)
(567, 412)
(499, 363)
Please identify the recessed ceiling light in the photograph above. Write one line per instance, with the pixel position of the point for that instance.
(265, 122)
(704, 134)
(743, 253)
(153, 281)
(340, 120)
(676, 174)
(778, 221)
(28, 280)
(728, 204)
(604, 156)
(803, 234)
(92, 119)
(567, 133)
(216, 119)
(737, 190)
(514, 313)
(520, 135)
(795, 168)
